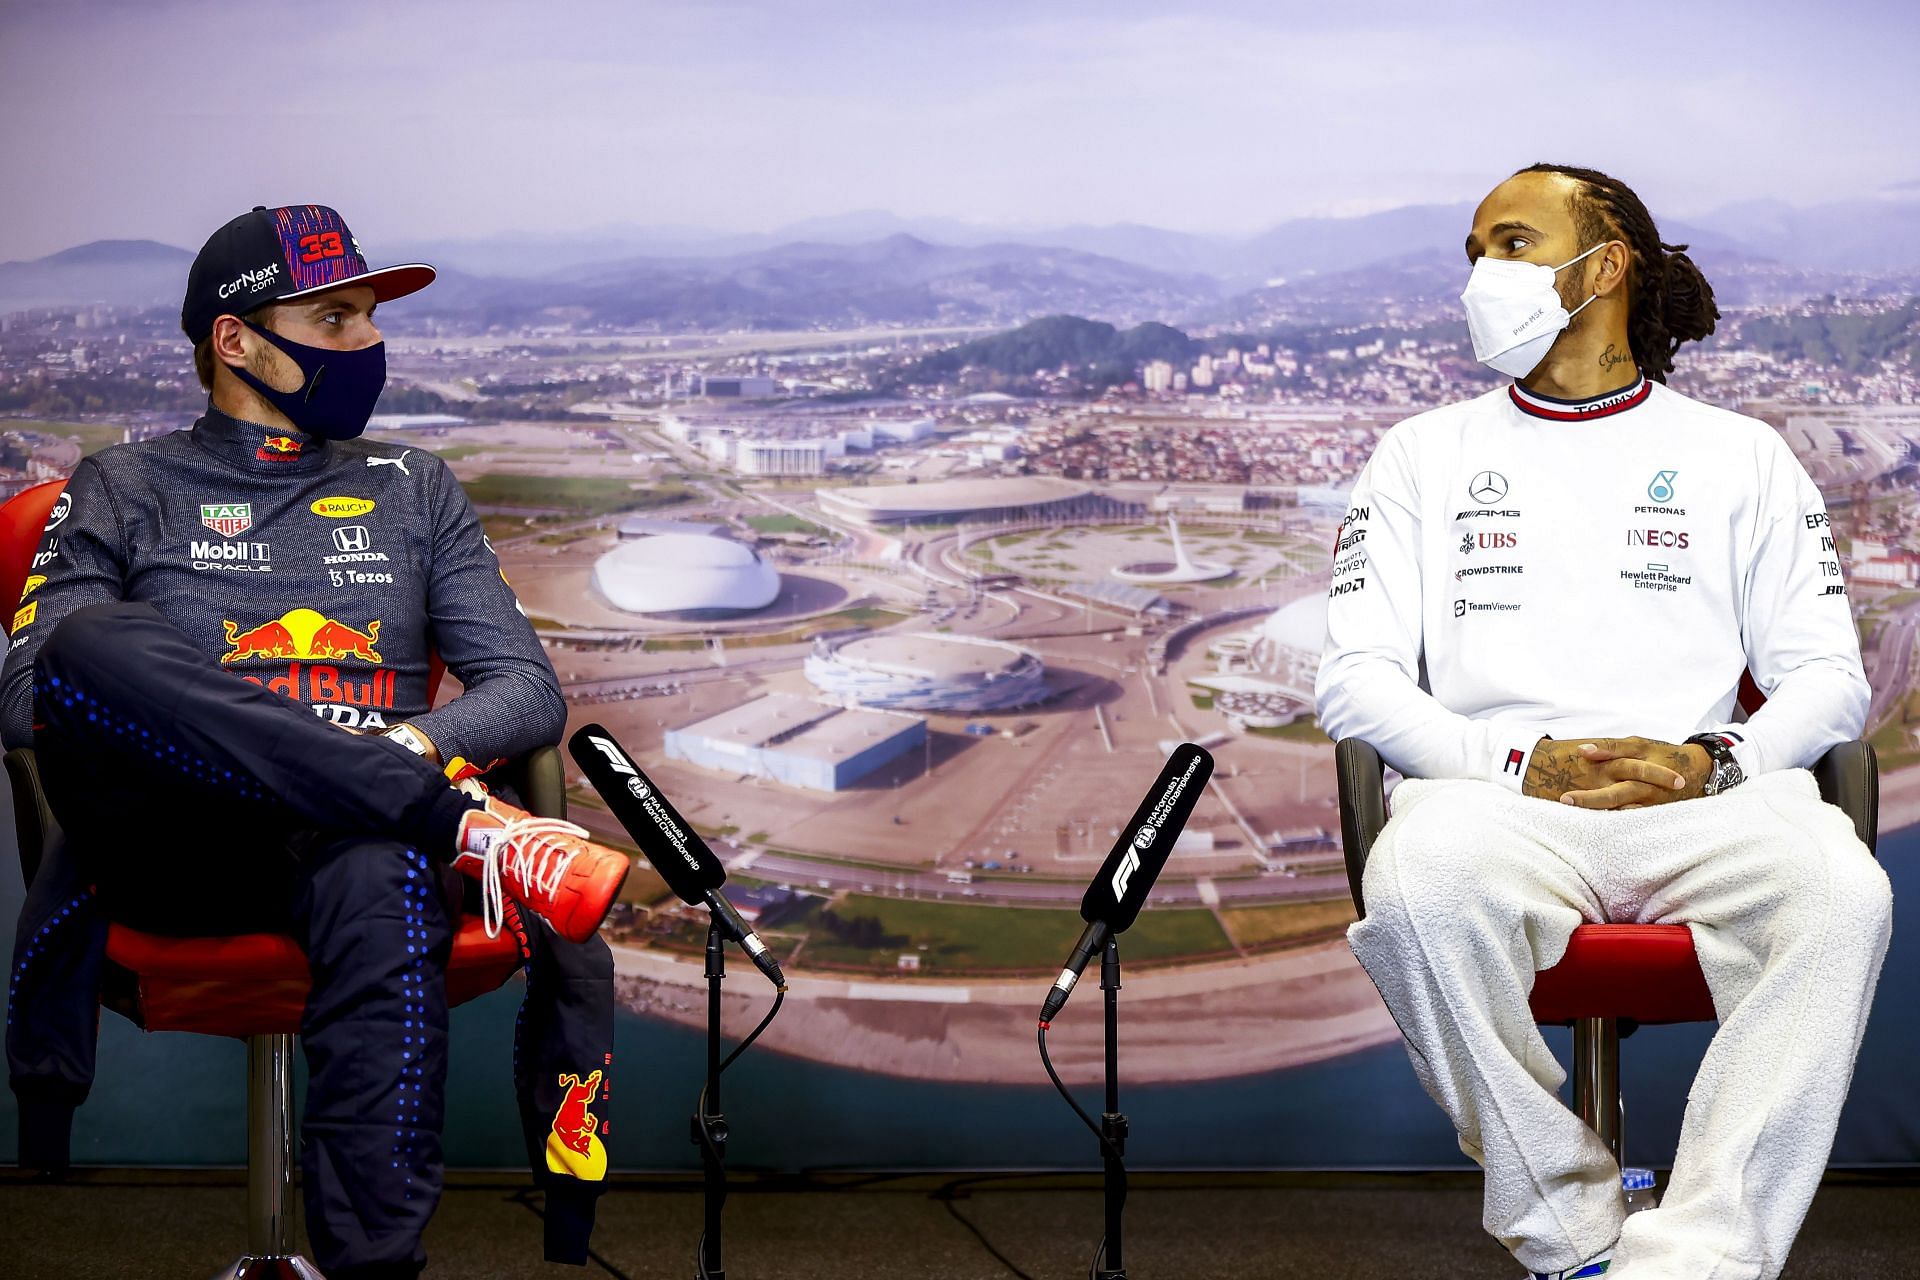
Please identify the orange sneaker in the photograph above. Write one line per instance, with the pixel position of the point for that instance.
(548, 865)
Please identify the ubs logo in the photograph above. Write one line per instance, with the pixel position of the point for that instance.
(1487, 488)
(1488, 542)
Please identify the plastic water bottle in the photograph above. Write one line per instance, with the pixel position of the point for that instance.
(1638, 1185)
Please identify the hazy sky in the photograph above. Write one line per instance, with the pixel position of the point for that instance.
(428, 119)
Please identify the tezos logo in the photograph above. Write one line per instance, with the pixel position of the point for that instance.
(62, 505)
(1487, 488)
(1661, 488)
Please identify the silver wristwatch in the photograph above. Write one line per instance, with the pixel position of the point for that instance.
(409, 737)
(1724, 771)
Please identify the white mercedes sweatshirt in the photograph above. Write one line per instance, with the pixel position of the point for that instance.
(1514, 567)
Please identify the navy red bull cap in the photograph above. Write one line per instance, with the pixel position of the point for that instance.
(274, 255)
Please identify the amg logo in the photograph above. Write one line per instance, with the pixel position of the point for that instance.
(1507, 514)
(229, 551)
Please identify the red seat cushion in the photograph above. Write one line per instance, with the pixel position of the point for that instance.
(1646, 972)
(256, 983)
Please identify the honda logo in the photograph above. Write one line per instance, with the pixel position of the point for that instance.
(352, 537)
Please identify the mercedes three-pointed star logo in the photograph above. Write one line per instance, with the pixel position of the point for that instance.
(1487, 488)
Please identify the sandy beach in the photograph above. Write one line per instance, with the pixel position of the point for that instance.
(1191, 1023)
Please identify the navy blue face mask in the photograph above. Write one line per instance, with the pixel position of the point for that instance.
(337, 391)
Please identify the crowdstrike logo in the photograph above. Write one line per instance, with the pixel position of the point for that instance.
(1487, 488)
(250, 281)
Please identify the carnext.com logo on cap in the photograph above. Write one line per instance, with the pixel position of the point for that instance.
(250, 280)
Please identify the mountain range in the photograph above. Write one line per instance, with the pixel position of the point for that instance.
(874, 268)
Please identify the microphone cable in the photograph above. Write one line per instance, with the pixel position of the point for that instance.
(700, 1114)
(1046, 1060)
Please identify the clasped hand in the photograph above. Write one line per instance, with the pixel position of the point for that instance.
(1616, 773)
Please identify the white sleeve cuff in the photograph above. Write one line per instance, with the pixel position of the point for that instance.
(1512, 752)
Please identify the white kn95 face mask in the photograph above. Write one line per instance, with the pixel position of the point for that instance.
(1514, 312)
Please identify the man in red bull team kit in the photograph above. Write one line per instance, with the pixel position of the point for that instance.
(235, 623)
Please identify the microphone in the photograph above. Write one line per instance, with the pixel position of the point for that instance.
(675, 850)
(1120, 890)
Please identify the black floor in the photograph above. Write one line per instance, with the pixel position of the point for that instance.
(154, 1225)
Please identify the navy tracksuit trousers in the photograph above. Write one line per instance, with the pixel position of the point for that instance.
(198, 803)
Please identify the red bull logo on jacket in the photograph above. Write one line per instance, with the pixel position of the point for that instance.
(278, 449)
(574, 1147)
(302, 633)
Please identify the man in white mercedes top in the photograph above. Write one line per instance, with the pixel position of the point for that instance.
(1542, 603)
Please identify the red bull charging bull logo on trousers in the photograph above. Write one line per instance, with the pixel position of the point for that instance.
(574, 1147)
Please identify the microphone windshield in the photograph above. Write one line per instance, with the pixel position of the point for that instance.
(1120, 890)
(673, 847)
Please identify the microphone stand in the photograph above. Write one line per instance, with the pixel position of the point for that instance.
(1113, 1125)
(709, 1125)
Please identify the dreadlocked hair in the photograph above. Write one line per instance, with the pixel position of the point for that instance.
(1668, 301)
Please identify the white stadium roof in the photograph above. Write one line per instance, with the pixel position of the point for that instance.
(685, 572)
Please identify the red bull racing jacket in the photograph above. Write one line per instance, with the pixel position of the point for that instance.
(328, 571)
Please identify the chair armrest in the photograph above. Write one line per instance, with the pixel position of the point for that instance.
(544, 782)
(33, 822)
(1849, 778)
(1363, 807)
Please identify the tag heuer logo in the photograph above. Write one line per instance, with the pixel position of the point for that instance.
(227, 518)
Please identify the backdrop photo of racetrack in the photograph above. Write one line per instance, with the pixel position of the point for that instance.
(901, 486)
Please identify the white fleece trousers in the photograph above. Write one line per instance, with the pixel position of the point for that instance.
(1471, 889)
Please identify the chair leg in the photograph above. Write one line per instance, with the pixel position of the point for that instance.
(270, 1252)
(1596, 1080)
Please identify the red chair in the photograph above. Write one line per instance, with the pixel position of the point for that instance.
(252, 986)
(1614, 977)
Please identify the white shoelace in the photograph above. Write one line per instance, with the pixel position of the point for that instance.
(537, 864)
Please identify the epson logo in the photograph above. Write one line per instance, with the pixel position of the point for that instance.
(250, 280)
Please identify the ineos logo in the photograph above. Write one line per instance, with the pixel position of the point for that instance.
(1487, 488)
(353, 537)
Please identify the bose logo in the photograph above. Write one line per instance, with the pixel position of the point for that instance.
(615, 757)
(250, 280)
